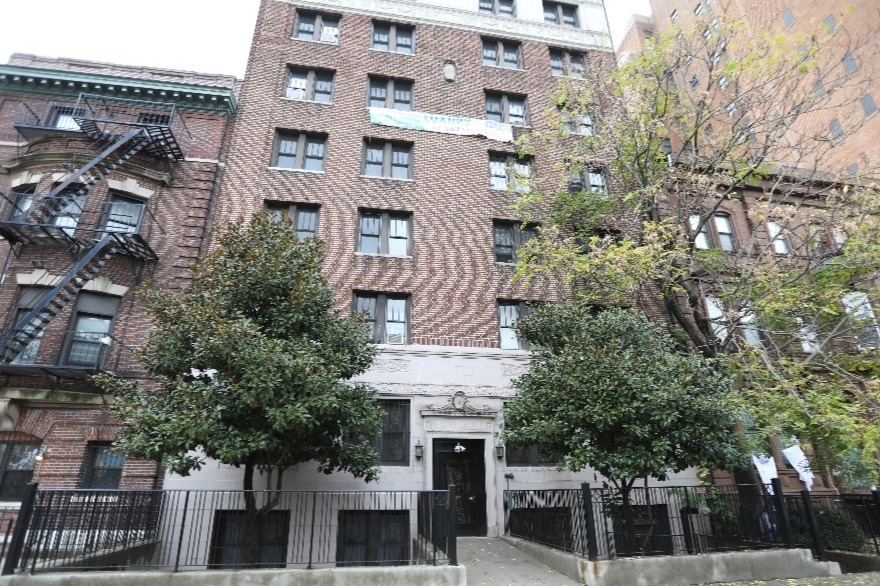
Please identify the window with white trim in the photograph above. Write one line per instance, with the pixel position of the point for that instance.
(865, 327)
(508, 314)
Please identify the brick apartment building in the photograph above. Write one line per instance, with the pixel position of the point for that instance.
(388, 129)
(107, 178)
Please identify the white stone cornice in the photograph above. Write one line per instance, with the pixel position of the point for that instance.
(595, 36)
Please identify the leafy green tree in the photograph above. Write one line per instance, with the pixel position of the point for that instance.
(609, 390)
(250, 366)
(726, 215)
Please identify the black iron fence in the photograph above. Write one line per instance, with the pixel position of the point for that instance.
(75, 530)
(606, 523)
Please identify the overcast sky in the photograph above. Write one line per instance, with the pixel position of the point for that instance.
(195, 35)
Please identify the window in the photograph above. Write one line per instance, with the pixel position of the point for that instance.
(299, 150)
(866, 328)
(303, 216)
(849, 63)
(819, 90)
(674, 16)
(102, 467)
(316, 26)
(731, 109)
(393, 38)
(387, 159)
(830, 24)
(576, 123)
(497, 7)
(387, 315)
(63, 117)
(836, 129)
(314, 85)
(528, 456)
(788, 17)
(498, 53)
(506, 108)
(559, 13)
(716, 315)
(695, 81)
(509, 237)
(228, 540)
(386, 92)
(509, 171)
(18, 453)
(28, 298)
(722, 83)
(392, 444)
(87, 342)
(750, 332)
(123, 214)
(588, 179)
(373, 538)
(699, 9)
(780, 242)
(508, 313)
(568, 63)
(154, 119)
(868, 105)
(722, 227)
(707, 34)
(384, 233)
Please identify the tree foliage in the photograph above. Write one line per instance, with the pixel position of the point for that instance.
(610, 391)
(251, 364)
(714, 124)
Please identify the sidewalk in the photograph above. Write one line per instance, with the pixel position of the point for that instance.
(871, 579)
(494, 562)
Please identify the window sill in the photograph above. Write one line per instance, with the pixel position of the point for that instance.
(289, 170)
(374, 177)
(512, 192)
(380, 255)
(285, 98)
(389, 52)
(319, 42)
(505, 68)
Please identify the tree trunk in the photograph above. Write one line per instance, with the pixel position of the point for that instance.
(252, 519)
(629, 521)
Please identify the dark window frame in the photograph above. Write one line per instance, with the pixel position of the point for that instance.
(714, 237)
(571, 63)
(528, 456)
(594, 179)
(519, 235)
(510, 162)
(294, 211)
(522, 309)
(300, 158)
(274, 539)
(84, 347)
(396, 32)
(388, 148)
(376, 534)
(501, 47)
(29, 448)
(59, 113)
(559, 9)
(495, 7)
(384, 236)
(379, 320)
(395, 433)
(103, 477)
(312, 77)
(504, 101)
(317, 26)
(392, 86)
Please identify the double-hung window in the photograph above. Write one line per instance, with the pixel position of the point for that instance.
(303, 216)
(865, 327)
(717, 316)
(64, 117)
(102, 467)
(567, 63)
(299, 150)
(509, 237)
(577, 123)
(387, 92)
(506, 108)
(309, 84)
(589, 180)
(387, 315)
(392, 38)
(508, 314)
(387, 159)
(507, 171)
(560, 13)
(718, 228)
(497, 7)
(381, 232)
(317, 26)
(392, 444)
(498, 53)
(780, 243)
(18, 454)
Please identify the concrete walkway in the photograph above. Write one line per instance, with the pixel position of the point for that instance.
(494, 562)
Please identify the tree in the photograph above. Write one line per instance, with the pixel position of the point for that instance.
(250, 365)
(723, 218)
(610, 390)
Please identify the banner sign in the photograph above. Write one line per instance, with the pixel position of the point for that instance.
(441, 123)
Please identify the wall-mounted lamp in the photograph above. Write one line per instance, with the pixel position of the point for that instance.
(420, 450)
(458, 448)
(499, 451)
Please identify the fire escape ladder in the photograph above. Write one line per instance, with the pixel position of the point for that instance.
(124, 148)
(36, 319)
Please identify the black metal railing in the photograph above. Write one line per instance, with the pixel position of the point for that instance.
(192, 529)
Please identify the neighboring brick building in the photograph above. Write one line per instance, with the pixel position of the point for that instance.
(108, 175)
(387, 129)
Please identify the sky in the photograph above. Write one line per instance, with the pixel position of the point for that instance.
(192, 35)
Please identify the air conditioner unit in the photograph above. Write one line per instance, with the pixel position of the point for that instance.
(395, 338)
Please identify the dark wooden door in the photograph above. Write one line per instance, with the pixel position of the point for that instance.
(466, 469)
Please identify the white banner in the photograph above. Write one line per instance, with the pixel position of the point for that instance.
(441, 123)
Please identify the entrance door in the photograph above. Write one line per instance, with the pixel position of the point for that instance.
(460, 462)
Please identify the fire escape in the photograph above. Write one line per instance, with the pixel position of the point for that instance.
(119, 130)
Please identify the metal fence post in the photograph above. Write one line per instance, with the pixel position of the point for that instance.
(451, 529)
(782, 522)
(592, 544)
(13, 555)
(813, 523)
(182, 527)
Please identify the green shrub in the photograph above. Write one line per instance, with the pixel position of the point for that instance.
(838, 531)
